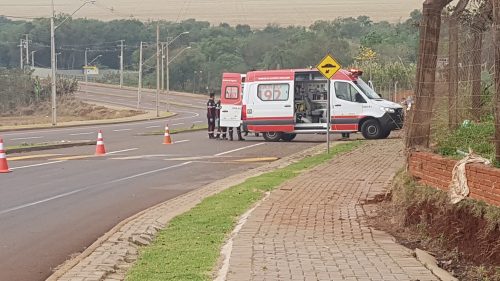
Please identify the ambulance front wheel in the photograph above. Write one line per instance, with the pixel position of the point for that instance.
(288, 137)
(371, 129)
(272, 136)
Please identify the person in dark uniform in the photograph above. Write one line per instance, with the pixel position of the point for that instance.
(211, 115)
(238, 132)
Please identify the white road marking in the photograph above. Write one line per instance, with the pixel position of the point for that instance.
(40, 201)
(156, 126)
(177, 124)
(66, 194)
(80, 134)
(30, 138)
(194, 115)
(181, 141)
(36, 165)
(122, 130)
(151, 172)
(120, 151)
(238, 149)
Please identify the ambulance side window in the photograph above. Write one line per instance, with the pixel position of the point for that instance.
(273, 92)
(231, 92)
(346, 91)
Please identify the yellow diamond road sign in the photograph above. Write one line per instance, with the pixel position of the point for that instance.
(328, 66)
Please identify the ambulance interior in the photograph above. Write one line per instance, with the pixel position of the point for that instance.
(310, 98)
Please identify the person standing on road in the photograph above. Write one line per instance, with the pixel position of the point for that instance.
(211, 115)
(220, 129)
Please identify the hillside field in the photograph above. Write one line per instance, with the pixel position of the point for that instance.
(256, 13)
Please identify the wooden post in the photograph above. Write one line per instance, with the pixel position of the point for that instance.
(420, 119)
(496, 27)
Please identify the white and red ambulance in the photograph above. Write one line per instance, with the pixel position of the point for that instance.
(283, 103)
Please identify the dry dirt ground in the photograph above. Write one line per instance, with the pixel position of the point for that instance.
(69, 109)
(465, 238)
(256, 13)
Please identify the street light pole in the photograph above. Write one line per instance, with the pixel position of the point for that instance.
(158, 70)
(33, 59)
(53, 55)
(121, 63)
(170, 41)
(85, 71)
(53, 65)
(139, 87)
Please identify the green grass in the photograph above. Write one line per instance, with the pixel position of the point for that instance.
(176, 131)
(189, 247)
(477, 136)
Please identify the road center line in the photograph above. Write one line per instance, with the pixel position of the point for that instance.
(151, 172)
(177, 124)
(238, 149)
(156, 126)
(36, 165)
(181, 141)
(119, 151)
(80, 134)
(66, 194)
(122, 130)
(30, 138)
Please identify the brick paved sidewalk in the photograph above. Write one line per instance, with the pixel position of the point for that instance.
(313, 228)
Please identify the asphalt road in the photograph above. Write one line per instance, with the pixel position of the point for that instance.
(57, 202)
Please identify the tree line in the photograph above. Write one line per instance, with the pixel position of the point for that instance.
(217, 48)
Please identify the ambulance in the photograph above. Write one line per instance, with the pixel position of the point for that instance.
(280, 104)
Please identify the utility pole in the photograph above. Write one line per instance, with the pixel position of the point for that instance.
(158, 70)
(139, 87)
(121, 63)
(21, 62)
(162, 66)
(194, 81)
(85, 70)
(168, 74)
(33, 59)
(53, 65)
(27, 42)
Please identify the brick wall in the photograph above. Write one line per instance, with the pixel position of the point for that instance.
(434, 170)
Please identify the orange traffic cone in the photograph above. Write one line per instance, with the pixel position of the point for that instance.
(4, 167)
(100, 150)
(167, 139)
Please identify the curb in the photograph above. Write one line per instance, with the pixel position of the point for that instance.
(120, 245)
(430, 263)
(83, 125)
(48, 147)
(113, 86)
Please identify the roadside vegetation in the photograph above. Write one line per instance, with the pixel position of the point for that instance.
(25, 100)
(188, 249)
(463, 237)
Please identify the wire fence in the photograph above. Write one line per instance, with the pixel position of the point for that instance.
(455, 110)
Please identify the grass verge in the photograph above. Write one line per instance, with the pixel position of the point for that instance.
(189, 247)
(29, 147)
(176, 131)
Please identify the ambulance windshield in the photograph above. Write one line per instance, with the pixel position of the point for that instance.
(369, 92)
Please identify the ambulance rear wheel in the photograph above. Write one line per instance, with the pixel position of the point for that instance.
(272, 136)
(288, 137)
(371, 129)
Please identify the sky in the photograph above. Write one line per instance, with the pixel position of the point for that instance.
(256, 13)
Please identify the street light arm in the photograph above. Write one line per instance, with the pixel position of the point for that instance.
(84, 3)
(176, 37)
(178, 54)
(95, 59)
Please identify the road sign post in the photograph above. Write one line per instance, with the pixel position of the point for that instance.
(328, 66)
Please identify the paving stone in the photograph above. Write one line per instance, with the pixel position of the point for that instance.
(318, 221)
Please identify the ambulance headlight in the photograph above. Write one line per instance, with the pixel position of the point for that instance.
(388, 109)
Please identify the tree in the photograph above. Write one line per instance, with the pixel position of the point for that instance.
(479, 22)
(496, 26)
(455, 15)
(420, 119)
